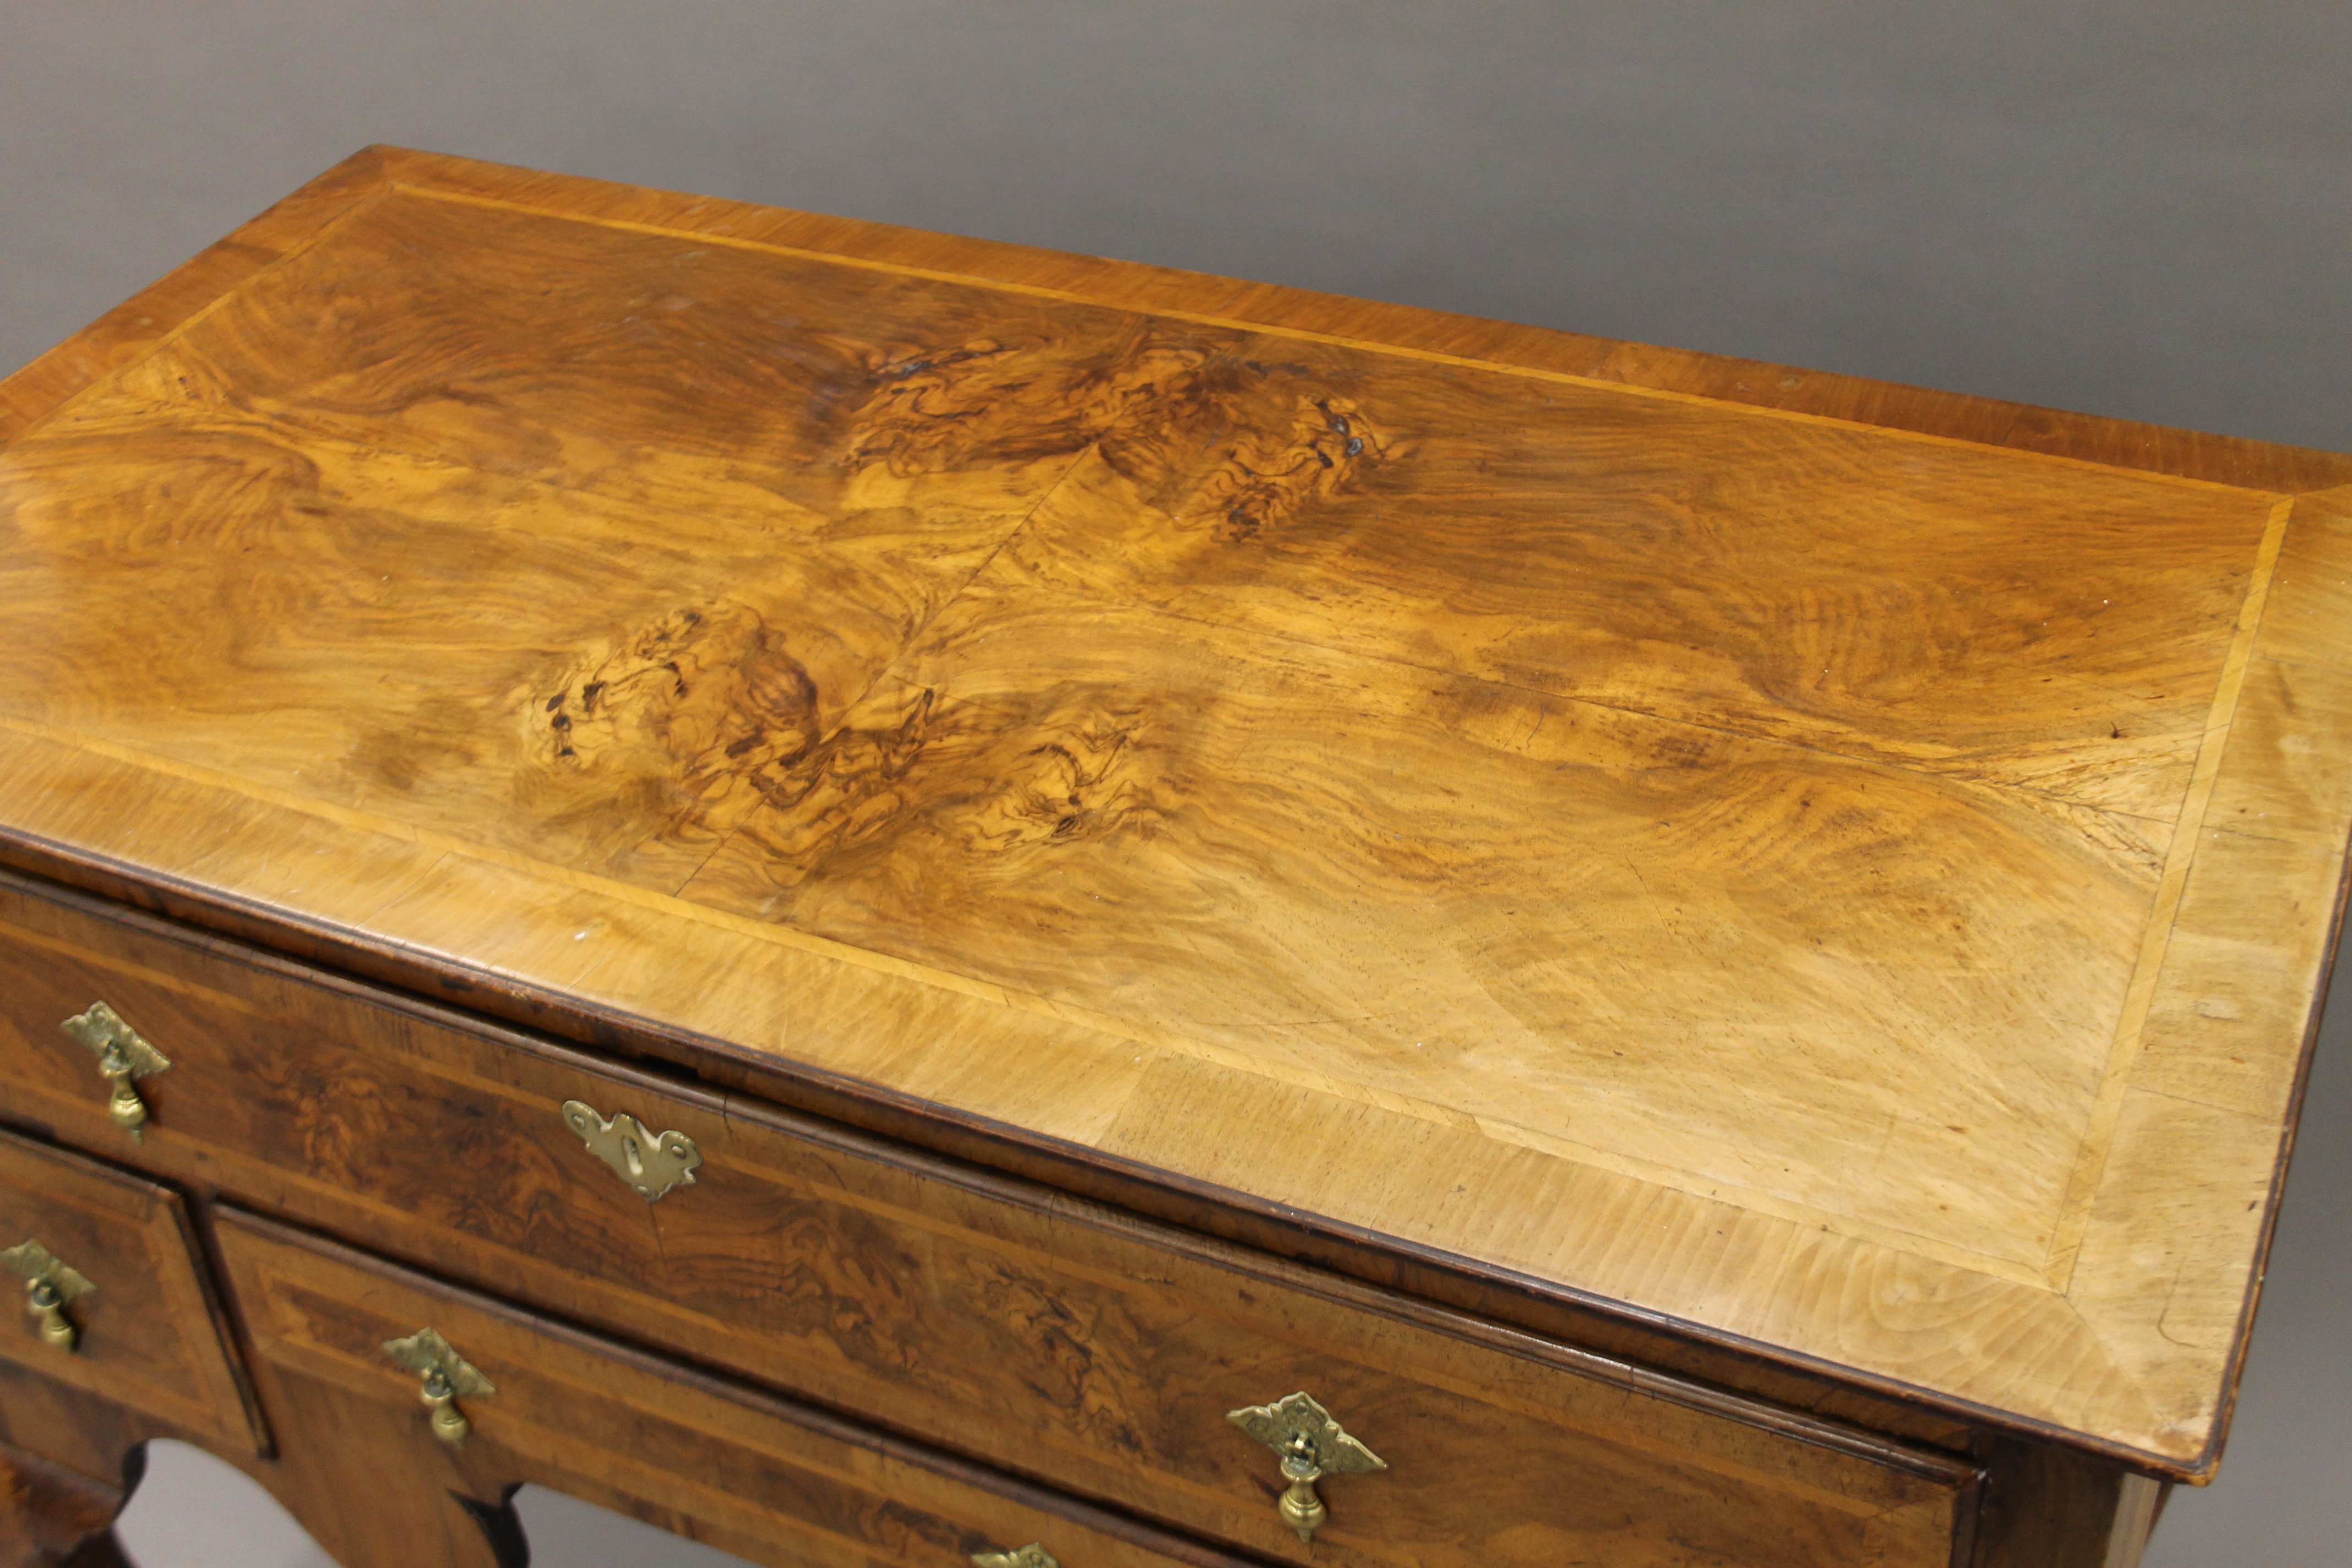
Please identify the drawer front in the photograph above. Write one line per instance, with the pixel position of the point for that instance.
(1095, 1352)
(762, 1476)
(122, 1298)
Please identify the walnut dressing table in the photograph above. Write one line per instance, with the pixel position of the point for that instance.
(896, 900)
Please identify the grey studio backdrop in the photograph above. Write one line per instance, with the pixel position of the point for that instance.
(2136, 209)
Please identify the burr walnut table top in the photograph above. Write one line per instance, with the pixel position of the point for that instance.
(1829, 868)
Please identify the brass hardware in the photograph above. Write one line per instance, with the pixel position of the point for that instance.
(448, 1377)
(122, 1056)
(1030, 1556)
(1312, 1445)
(49, 1285)
(651, 1165)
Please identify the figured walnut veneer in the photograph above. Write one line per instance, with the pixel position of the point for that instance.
(770, 1479)
(149, 1333)
(1829, 869)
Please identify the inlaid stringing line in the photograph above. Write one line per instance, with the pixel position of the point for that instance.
(1303, 334)
(185, 324)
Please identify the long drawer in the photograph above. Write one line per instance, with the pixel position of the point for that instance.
(1048, 1336)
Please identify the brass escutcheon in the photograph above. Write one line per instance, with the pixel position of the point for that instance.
(448, 1377)
(651, 1165)
(1312, 1445)
(122, 1056)
(1030, 1556)
(49, 1286)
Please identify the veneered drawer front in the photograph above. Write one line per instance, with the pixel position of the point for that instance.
(1064, 1340)
(766, 1478)
(143, 1329)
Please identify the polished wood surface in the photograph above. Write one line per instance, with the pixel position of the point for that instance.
(347, 1471)
(150, 1333)
(52, 1518)
(2056, 1507)
(1093, 1349)
(1844, 870)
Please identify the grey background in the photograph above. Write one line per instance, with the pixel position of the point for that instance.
(2138, 209)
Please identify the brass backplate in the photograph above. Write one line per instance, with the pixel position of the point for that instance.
(1311, 1445)
(35, 1265)
(652, 1164)
(120, 1050)
(122, 1056)
(446, 1376)
(49, 1287)
(1030, 1556)
(428, 1355)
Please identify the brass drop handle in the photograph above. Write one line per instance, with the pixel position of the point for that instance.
(49, 1286)
(1311, 1445)
(449, 1423)
(651, 1163)
(122, 1058)
(446, 1376)
(1030, 1556)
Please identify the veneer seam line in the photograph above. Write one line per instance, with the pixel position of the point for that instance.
(1918, 768)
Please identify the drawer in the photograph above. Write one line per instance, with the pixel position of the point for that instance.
(1089, 1349)
(132, 1316)
(765, 1478)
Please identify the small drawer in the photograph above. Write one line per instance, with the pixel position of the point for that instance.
(762, 1476)
(1089, 1350)
(107, 1296)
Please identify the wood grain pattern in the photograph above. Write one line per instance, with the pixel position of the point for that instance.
(778, 1482)
(52, 1518)
(132, 329)
(1082, 1346)
(150, 1333)
(348, 1470)
(2052, 1508)
(1505, 866)
(1689, 846)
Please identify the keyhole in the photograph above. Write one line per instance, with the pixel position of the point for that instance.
(636, 1160)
